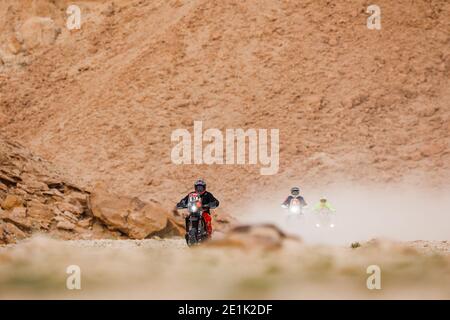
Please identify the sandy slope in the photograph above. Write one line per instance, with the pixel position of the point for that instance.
(351, 104)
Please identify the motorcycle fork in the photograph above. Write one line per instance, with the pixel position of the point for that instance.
(200, 227)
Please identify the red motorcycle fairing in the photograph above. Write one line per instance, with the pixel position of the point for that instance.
(208, 221)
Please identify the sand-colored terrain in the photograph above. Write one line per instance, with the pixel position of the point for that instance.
(351, 104)
(166, 269)
(363, 117)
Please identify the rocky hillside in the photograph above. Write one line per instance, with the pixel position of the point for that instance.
(163, 269)
(351, 104)
(35, 198)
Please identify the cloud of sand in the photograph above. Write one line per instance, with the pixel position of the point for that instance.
(396, 212)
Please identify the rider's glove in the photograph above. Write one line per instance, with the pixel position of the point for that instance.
(181, 205)
(212, 205)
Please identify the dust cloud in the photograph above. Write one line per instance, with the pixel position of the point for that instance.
(395, 212)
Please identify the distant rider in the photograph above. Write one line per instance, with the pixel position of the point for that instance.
(324, 212)
(295, 194)
(323, 204)
(208, 202)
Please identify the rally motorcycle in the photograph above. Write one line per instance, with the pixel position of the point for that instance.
(325, 218)
(295, 209)
(195, 227)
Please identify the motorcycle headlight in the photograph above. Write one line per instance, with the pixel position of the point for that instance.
(193, 208)
(294, 209)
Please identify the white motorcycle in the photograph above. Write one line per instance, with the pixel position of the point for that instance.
(295, 209)
(325, 218)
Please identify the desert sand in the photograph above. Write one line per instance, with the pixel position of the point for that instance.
(167, 269)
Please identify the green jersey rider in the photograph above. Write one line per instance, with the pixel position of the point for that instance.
(323, 210)
(323, 204)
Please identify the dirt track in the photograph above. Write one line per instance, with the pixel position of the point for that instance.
(167, 269)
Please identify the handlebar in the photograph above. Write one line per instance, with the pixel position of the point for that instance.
(206, 206)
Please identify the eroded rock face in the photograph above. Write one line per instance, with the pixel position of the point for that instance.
(11, 201)
(223, 221)
(132, 216)
(36, 198)
(10, 233)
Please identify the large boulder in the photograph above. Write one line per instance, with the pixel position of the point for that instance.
(41, 214)
(135, 218)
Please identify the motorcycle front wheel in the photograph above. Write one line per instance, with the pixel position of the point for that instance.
(191, 237)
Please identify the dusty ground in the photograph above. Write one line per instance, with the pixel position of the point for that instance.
(364, 118)
(161, 269)
(351, 104)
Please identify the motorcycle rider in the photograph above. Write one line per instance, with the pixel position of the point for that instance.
(323, 204)
(208, 202)
(295, 194)
(324, 212)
